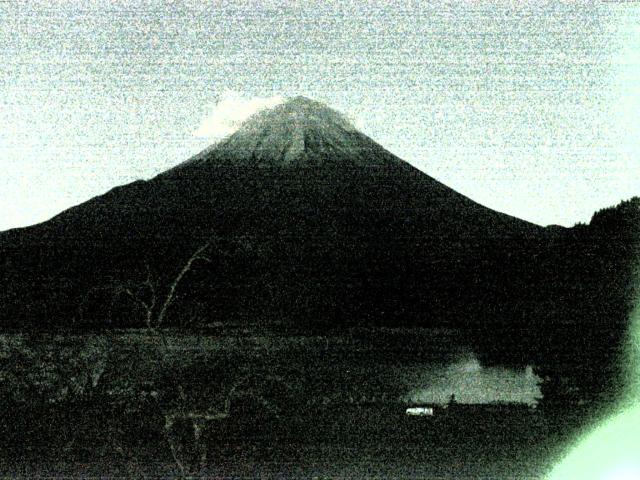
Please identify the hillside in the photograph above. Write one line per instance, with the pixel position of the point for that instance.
(314, 223)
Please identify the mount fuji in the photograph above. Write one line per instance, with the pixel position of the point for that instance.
(311, 227)
(316, 224)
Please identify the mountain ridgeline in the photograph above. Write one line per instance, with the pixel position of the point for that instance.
(309, 226)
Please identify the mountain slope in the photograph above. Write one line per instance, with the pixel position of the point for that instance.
(314, 226)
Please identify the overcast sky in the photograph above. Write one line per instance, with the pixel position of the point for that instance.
(531, 110)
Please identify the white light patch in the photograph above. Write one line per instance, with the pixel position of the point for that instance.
(420, 411)
(231, 110)
(470, 382)
(471, 366)
(610, 452)
(624, 472)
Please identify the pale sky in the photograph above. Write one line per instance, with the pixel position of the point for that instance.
(528, 108)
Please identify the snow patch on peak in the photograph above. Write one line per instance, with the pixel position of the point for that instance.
(296, 114)
(295, 132)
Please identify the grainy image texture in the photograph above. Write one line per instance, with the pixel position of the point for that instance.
(357, 239)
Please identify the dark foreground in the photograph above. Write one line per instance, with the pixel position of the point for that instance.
(135, 405)
(356, 442)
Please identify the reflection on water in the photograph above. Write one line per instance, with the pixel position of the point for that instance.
(470, 382)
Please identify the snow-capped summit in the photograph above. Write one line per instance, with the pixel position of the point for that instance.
(297, 132)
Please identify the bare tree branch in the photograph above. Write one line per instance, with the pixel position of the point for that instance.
(155, 307)
(197, 255)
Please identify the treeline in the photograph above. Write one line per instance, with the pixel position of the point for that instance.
(573, 321)
(603, 262)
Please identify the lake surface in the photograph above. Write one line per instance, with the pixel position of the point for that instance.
(417, 365)
(304, 406)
